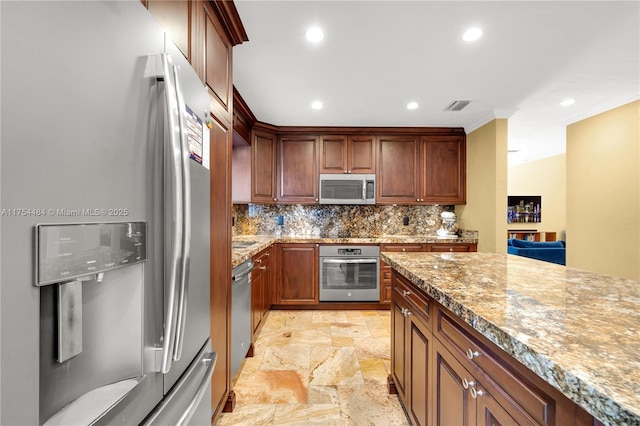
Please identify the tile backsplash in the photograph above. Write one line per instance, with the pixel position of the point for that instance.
(337, 220)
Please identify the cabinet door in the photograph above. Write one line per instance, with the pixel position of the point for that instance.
(397, 175)
(297, 169)
(333, 154)
(453, 404)
(174, 18)
(267, 278)
(297, 273)
(419, 398)
(443, 174)
(263, 167)
(347, 154)
(361, 154)
(490, 413)
(217, 62)
(260, 288)
(398, 345)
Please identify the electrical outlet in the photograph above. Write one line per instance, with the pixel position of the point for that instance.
(405, 221)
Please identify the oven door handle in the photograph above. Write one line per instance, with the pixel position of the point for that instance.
(334, 260)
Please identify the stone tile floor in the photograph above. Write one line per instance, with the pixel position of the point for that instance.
(318, 367)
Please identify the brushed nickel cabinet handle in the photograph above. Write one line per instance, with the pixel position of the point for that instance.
(476, 393)
(471, 354)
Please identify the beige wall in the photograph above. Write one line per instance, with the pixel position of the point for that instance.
(547, 178)
(486, 208)
(603, 192)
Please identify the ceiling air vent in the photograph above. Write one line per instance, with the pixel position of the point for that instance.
(457, 105)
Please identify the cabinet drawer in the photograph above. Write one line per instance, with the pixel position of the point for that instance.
(407, 291)
(262, 257)
(402, 247)
(496, 366)
(451, 247)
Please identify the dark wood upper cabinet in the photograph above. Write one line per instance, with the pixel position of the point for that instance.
(297, 169)
(263, 167)
(361, 154)
(430, 169)
(174, 18)
(243, 120)
(443, 179)
(398, 169)
(217, 61)
(347, 154)
(333, 154)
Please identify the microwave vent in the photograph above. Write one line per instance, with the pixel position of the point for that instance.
(457, 105)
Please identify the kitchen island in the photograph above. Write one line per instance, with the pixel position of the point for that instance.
(578, 331)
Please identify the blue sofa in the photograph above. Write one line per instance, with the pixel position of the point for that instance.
(548, 251)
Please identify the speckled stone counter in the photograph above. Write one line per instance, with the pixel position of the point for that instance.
(578, 330)
(240, 254)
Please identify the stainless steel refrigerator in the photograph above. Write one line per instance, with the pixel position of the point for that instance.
(104, 192)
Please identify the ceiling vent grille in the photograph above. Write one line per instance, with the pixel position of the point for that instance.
(457, 105)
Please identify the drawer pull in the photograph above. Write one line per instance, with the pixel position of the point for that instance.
(404, 249)
(471, 354)
(405, 293)
(466, 383)
(476, 393)
(263, 267)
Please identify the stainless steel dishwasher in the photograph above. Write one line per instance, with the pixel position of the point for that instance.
(240, 313)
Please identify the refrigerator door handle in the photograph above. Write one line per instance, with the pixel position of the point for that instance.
(186, 222)
(209, 359)
(180, 404)
(173, 228)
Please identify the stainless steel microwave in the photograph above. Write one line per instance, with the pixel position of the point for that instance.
(347, 189)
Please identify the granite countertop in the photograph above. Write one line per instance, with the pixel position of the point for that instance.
(240, 254)
(579, 331)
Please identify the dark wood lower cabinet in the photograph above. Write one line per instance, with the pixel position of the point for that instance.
(451, 247)
(411, 347)
(261, 279)
(297, 274)
(419, 392)
(445, 373)
(464, 400)
(453, 404)
(398, 346)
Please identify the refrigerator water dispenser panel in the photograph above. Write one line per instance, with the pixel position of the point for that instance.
(70, 251)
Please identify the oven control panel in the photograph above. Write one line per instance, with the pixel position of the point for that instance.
(350, 252)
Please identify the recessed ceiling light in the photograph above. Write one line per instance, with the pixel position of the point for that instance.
(568, 102)
(412, 105)
(472, 34)
(314, 35)
(316, 105)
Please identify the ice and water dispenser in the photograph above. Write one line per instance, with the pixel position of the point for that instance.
(91, 316)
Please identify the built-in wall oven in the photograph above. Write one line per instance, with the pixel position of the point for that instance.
(349, 273)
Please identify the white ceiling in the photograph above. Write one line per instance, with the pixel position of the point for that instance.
(377, 56)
